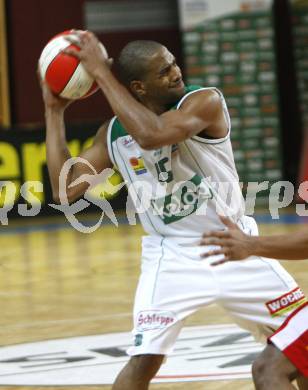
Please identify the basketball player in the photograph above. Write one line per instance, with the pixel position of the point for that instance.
(171, 144)
(286, 355)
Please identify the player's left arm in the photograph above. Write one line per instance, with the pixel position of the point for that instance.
(201, 113)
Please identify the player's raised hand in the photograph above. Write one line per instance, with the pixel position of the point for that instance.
(92, 53)
(50, 99)
(233, 243)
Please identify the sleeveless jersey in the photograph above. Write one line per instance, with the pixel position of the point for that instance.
(179, 189)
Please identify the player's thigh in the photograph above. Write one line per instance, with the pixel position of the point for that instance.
(259, 294)
(173, 284)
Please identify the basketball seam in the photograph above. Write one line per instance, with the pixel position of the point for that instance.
(69, 77)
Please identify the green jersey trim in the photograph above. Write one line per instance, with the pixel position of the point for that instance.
(117, 130)
(188, 90)
(109, 143)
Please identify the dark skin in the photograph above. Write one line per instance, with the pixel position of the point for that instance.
(236, 245)
(151, 125)
(57, 150)
(146, 119)
(272, 370)
(143, 113)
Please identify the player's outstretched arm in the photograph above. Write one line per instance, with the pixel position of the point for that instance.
(58, 153)
(236, 245)
(151, 130)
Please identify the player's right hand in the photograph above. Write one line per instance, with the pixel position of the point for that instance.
(92, 53)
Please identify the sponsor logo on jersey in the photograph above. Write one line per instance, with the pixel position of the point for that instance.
(286, 302)
(128, 140)
(138, 165)
(186, 197)
(154, 319)
(201, 353)
(138, 339)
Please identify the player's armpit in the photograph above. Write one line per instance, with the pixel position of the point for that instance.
(89, 164)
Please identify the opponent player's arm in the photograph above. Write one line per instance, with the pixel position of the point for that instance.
(58, 153)
(288, 246)
(236, 245)
(201, 112)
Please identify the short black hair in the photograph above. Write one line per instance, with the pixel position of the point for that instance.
(132, 61)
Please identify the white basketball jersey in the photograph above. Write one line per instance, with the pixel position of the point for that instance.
(179, 190)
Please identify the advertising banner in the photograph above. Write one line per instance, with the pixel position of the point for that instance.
(300, 36)
(231, 45)
(24, 183)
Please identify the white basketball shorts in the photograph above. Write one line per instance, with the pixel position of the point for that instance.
(292, 338)
(175, 282)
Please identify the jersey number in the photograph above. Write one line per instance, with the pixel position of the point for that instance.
(164, 176)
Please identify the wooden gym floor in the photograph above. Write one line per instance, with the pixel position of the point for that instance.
(57, 283)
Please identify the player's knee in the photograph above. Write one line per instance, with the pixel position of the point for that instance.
(266, 367)
(144, 367)
(259, 371)
(272, 364)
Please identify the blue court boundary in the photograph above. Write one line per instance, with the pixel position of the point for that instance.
(287, 219)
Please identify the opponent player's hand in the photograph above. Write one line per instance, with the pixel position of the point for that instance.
(234, 244)
(51, 100)
(92, 53)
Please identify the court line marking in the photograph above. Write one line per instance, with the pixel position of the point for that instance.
(260, 218)
(64, 321)
(199, 375)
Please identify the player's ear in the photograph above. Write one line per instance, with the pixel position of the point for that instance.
(137, 88)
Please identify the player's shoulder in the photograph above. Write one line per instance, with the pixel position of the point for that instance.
(109, 124)
(198, 92)
(104, 126)
(115, 129)
(198, 97)
(101, 134)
